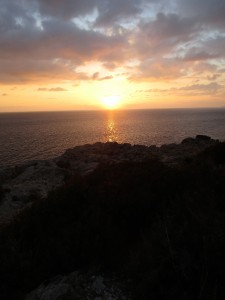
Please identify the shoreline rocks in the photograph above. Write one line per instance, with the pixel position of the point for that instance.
(84, 159)
(26, 183)
(78, 286)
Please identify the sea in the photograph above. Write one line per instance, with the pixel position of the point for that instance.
(45, 135)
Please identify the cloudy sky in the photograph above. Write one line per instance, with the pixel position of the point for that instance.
(74, 54)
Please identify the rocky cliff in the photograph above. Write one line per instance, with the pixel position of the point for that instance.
(26, 183)
(126, 222)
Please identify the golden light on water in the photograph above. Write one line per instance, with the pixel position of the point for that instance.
(111, 130)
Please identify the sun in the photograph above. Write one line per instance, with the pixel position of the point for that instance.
(111, 102)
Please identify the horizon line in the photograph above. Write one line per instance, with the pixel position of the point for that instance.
(114, 110)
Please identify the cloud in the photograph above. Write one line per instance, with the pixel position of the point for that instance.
(212, 87)
(155, 69)
(108, 11)
(58, 40)
(96, 76)
(210, 12)
(48, 40)
(61, 45)
(197, 55)
(106, 78)
(21, 71)
(4, 94)
(194, 89)
(159, 38)
(56, 89)
(213, 77)
(66, 9)
(116, 10)
(171, 25)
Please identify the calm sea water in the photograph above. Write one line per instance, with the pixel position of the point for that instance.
(44, 135)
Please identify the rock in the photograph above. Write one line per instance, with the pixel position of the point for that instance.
(89, 168)
(188, 141)
(199, 140)
(203, 137)
(88, 157)
(169, 146)
(58, 289)
(98, 285)
(28, 183)
(78, 286)
(32, 181)
(5, 173)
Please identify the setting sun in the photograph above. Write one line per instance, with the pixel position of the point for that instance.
(111, 102)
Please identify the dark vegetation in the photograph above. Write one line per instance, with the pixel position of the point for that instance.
(1, 194)
(162, 228)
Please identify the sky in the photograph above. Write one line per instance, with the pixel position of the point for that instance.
(79, 54)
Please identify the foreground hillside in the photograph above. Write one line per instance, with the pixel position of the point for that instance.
(144, 229)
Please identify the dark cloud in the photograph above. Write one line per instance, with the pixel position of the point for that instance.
(169, 26)
(163, 35)
(25, 71)
(58, 49)
(59, 40)
(4, 94)
(66, 9)
(204, 67)
(216, 44)
(40, 39)
(195, 54)
(117, 10)
(108, 11)
(209, 12)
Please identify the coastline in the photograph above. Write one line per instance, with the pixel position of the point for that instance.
(49, 135)
(115, 221)
(29, 182)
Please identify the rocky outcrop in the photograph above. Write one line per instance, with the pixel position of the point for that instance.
(174, 153)
(78, 286)
(84, 159)
(24, 184)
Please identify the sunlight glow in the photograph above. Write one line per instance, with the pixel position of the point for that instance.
(111, 102)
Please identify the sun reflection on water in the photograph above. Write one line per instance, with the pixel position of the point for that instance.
(111, 131)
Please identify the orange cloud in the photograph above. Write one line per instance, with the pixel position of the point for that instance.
(47, 41)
